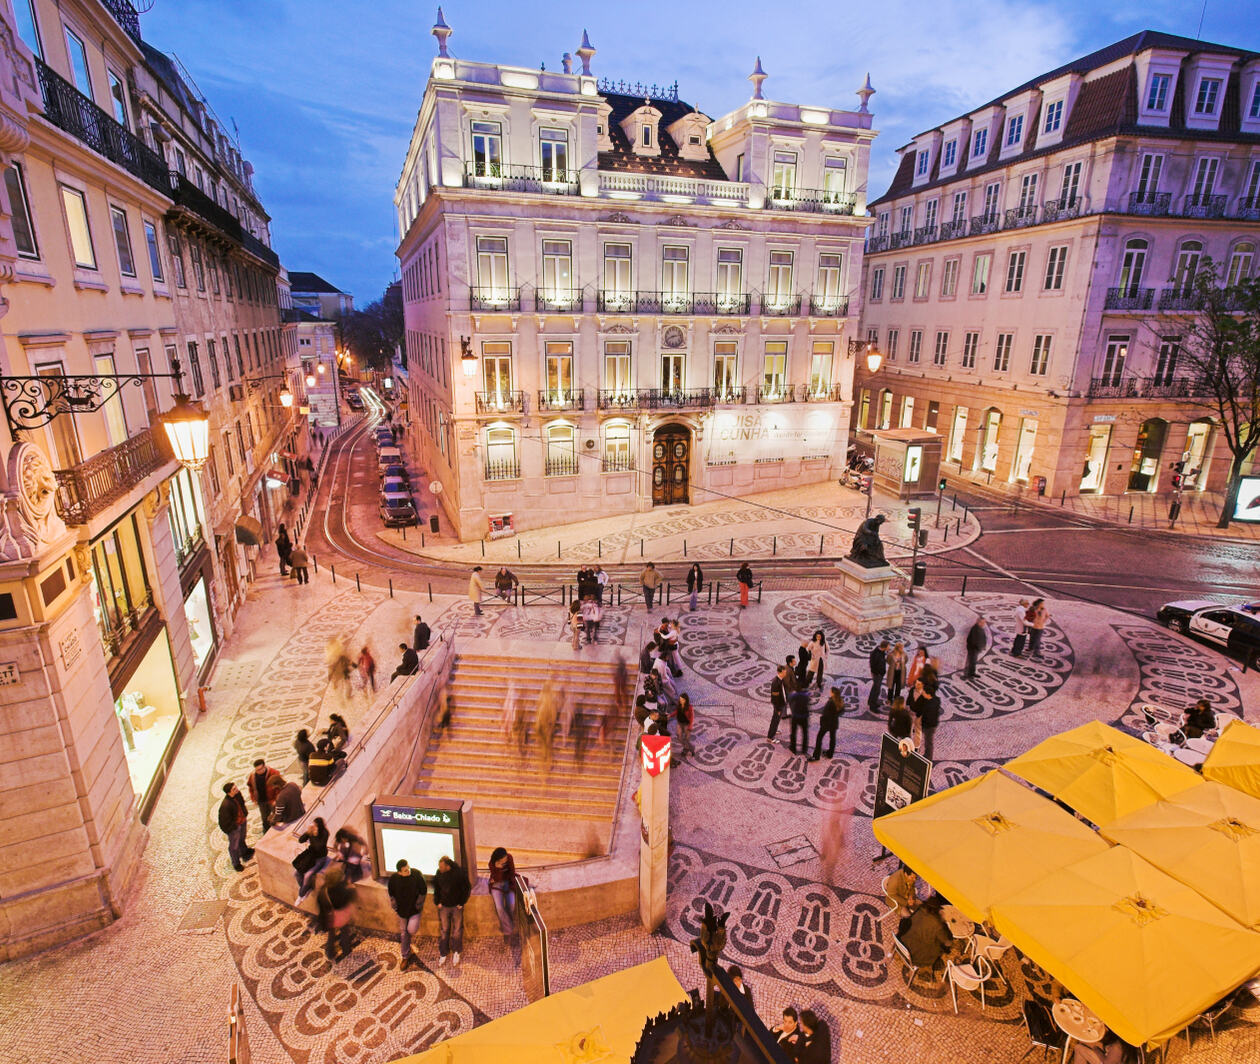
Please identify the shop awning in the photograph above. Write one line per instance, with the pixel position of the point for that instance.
(278, 475)
(249, 531)
(289, 455)
(1234, 759)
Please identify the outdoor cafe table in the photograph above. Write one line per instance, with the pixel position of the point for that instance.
(1078, 1023)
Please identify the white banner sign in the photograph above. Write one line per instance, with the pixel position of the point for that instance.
(790, 431)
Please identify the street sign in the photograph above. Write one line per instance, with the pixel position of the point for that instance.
(655, 749)
(901, 778)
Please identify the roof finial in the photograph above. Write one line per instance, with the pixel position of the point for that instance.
(441, 31)
(757, 77)
(865, 93)
(585, 52)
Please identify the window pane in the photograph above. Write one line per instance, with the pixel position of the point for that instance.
(122, 238)
(155, 255)
(78, 63)
(118, 98)
(80, 234)
(23, 230)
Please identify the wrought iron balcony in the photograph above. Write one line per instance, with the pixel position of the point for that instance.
(1130, 299)
(91, 487)
(902, 239)
(730, 396)
(68, 109)
(550, 180)
(1203, 206)
(561, 300)
(1057, 210)
(1180, 299)
(985, 223)
(877, 243)
(815, 200)
(502, 469)
(125, 15)
(561, 465)
(617, 463)
(664, 302)
(1019, 217)
(488, 298)
(188, 196)
(119, 626)
(258, 249)
(813, 393)
(774, 393)
(1150, 204)
(777, 306)
(657, 398)
(719, 303)
(950, 230)
(185, 551)
(617, 399)
(1165, 387)
(562, 399)
(616, 302)
(829, 306)
(500, 402)
(1248, 209)
(925, 234)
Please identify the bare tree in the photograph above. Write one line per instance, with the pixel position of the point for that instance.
(374, 331)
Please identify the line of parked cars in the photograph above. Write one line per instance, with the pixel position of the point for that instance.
(398, 505)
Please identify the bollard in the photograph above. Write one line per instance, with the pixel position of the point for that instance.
(430, 592)
(483, 548)
(710, 598)
(964, 587)
(684, 548)
(618, 594)
(1063, 497)
(357, 585)
(333, 569)
(820, 543)
(958, 527)
(945, 539)
(774, 545)
(732, 547)
(404, 531)
(557, 550)
(640, 548)
(717, 593)
(669, 587)
(315, 562)
(518, 550)
(391, 587)
(758, 592)
(599, 548)
(1130, 515)
(955, 505)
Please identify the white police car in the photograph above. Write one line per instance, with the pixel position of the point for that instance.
(1235, 628)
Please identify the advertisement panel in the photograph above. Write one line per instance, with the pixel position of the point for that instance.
(765, 434)
(419, 833)
(1247, 508)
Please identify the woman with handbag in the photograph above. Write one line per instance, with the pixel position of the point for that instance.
(336, 900)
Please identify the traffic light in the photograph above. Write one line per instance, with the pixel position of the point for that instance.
(913, 517)
(866, 483)
(941, 485)
(1179, 467)
(1177, 480)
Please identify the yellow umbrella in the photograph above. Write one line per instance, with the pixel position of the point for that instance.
(1234, 759)
(1102, 773)
(985, 839)
(1207, 837)
(1147, 954)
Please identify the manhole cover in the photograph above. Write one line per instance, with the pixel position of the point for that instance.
(236, 673)
(202, 914)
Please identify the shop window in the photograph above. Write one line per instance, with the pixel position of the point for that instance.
(120, 585)
(617, 447)
(561, 451)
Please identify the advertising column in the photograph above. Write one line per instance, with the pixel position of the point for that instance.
(654, 849)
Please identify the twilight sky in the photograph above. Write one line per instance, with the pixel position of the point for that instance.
(325, 93)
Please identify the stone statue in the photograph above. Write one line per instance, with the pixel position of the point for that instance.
(708, 948)
(868, 549)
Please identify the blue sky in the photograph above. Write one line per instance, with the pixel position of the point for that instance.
(325, 94)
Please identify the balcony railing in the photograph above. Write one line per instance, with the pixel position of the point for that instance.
(1057, 210)
(1130, 298)
(878, 243)
(900, 240)
(554, 399)
(500, 402)
(661, 186)
(618, 463)
(1150, 204)
(559, 300)
(616, 302)
(819, 393)
(68, 109)
(776, 306)
(1203, 206)
(502, 469)
(950, 230)
(561, 465)
(719, 303)
(985, 223)
(775, 393)
(551, 180)
(1145, 388)
(1249, 209)
(487, 298)
(664, 302)
(815, 200)
(730, 396)
(119, 626)
(925, 234)
(1180, 299)
(185, 551)
(656, 398)
(829, 306)
(1019, 217)
(125, 15)
(91, 487)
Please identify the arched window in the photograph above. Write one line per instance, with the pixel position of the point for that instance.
(617, 447)
(1240, 261)
(501, 460)
(561, 459)
(1132, 266)
(1189, 256)
(885, 409)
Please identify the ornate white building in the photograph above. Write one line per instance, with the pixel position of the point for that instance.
(614, 301)
(1029, 270)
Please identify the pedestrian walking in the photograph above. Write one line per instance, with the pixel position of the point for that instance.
(896, 670)
(298, 561)
(1021, 628)
(879, 666)
(915, 668)
(686, 718)
(407, 891)
(284, 548)
(505, 583)
(508, 723)
(817, 660)
(1039, 619)
(288, 806)
(367, 669)
(503, 892)
(925, 705)
(264, 783)
(695, 584)
(450, 894)
(650, 580)
(576, 625)
(312, 860)
(801, 668)
(335, 900)
(409, 665)
(601, 582)
(592, 615)
(305, 748)
(233, 822)
(420, 635)
(828, 722)
(476, 589)
(545, 720)
(745, 578)
(798, 705)
(339, 667)
(977, 640)
(779, 691)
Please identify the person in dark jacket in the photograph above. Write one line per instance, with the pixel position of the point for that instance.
(815, 1045)
(450, 893)
(409, 665)
(900, 723)
(503, 891)
(420, 635)
(299, 560)
(779, 690)
(312, 860)
(977, 640)
(305, 748)
(798, 704)
(284, 548)
(695, 585)
(407, 891)
(335, 900)
(802, 666)
(925, 704)
(264, 783)
(828, 722)
(745, 578)
(233, 820)
(737, 977)
(1199, 718)
(288, 805)
(879, 666)
(338, 731)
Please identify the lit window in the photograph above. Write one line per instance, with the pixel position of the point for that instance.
(75, 206)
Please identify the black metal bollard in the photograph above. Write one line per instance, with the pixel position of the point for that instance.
(684, 548)
(557, 550)
(717, 593)
(955, 503)
(732, 547)
(1063, 497)
(483, 548)
(315, 562)
(518, 550)
(640, 548)
(945, 538)
(430, 592)
(774, 545)
(404, 532)
(333, 569)
(1130, 515)
(357, 585)
(599, 548)
(820, 543)
(964, 587)
(391, 587)
(422, 540)
(758, 592)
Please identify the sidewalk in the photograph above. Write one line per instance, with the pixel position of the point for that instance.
(807, 522)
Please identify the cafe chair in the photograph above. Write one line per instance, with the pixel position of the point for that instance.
(904, 953)
(971, 977)
(1209, 1019)
(983, 947)
(892, 905)
(1043, 1032)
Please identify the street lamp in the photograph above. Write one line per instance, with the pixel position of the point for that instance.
(286, 398)
(873, 358)
(188, 429)
(466, 357)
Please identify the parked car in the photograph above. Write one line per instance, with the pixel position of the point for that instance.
(1234, 627)
(398, 471)
(388, 456)
(398, 510)
(383, 433)
(354, 400)
(395, 486)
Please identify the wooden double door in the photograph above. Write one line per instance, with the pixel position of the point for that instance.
(671, 465)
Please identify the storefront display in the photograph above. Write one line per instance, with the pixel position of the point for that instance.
(201, 634)
(149, 716)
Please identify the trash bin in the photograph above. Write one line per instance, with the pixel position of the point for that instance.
(433, 523)
(920, 574)
(1041, 485)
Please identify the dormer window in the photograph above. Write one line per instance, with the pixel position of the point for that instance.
(921, 167)
(1054, 117)
(951, 153)
(1014, 130)
(1157, 95)
(1209, 93)
(640, 128)
(1254, 110)
(980, 144)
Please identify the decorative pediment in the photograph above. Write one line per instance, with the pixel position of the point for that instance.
(726, 327)
(675, 219)
(620, 329)
(619, 218)
(732, 224)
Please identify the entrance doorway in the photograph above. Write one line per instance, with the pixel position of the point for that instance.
(1094, 473)
(1026, 441)
(987, 444)
(671, 464)
(956, 435)
(1144, 473)
(1197, 454)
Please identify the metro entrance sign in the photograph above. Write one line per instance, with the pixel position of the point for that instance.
(398, 814)
(655, 750)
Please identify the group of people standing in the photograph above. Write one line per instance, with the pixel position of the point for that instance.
(279, 801)
(790, 694)
(292, 557)
(912, 718)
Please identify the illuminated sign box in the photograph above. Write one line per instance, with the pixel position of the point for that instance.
(1247, 506)
(421, 830)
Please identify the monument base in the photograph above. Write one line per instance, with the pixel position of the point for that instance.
(863, 602)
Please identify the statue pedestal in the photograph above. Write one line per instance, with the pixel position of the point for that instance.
(863, 602)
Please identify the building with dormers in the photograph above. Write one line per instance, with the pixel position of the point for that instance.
(1028, 270)
(614, 301)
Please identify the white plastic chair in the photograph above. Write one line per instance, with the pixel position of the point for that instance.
(904, 954)
(985, 948)
(971, 977)
(892, 905)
